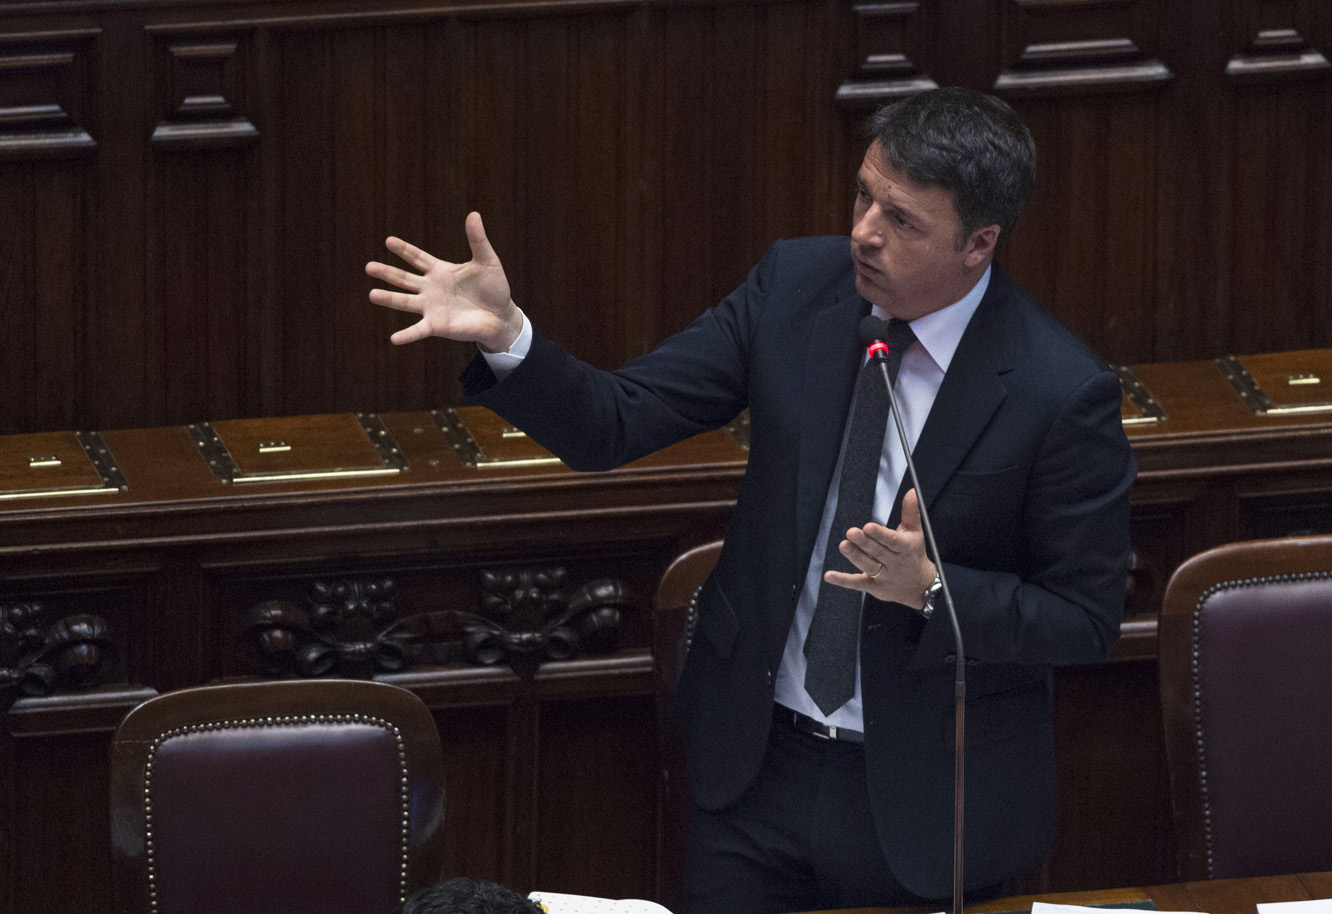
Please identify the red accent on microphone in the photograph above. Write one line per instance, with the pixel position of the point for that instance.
(878, 349)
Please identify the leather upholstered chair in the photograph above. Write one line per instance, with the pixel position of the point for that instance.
(675, 617)
(1245, 657)
(675, 614)
(278, 797)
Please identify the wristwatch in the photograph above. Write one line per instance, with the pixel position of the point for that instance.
(931, 594)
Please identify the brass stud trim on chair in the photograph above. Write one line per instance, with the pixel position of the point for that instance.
(1196, 669)
(294, 720)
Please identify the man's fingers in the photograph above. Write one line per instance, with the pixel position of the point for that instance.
(417, 331)
(411, 253)
(394, 276)
(849, 581)
(873, 537)
(860, 555)
(910, 511)
(398, 301)
(482, 252)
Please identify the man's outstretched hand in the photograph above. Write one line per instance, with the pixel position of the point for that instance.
(457, 301)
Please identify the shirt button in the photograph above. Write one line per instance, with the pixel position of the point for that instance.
(769, 674)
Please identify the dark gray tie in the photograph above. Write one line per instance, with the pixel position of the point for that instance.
(834, 632)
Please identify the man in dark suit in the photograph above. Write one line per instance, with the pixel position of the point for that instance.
(808, 796)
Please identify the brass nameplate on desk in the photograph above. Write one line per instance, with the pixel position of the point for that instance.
(334, 446)
(482, 440)
(49, 464)
(1282, 383)
(1139, 407)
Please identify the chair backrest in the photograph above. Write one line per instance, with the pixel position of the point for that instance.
(280, 797)
(1245, 656)
(675, 613)
(674, 619)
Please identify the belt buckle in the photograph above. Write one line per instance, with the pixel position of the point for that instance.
(812, 726)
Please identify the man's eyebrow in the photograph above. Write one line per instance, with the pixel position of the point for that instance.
(908, 214)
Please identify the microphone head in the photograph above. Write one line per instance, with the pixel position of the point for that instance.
(872, 329)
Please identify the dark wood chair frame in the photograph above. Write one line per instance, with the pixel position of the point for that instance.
(675, 619)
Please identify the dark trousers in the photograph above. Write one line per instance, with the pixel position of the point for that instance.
(801, 839)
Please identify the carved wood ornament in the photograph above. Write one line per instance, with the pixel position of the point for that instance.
(529, 612)
(68, 654)
(345, 629)
(353, 628)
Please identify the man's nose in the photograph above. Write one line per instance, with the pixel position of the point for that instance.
(864, 231)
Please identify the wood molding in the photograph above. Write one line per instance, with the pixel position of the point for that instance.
(200, 88)
(1277, 54)
(1064, 50)
(46, 76)
(884, 32)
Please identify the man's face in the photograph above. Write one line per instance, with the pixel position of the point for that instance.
(905, 242)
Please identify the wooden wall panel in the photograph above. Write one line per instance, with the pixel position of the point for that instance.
(750, 154)
(1094, 274)
(589, 822)
(69, 772)
(227, 170)
(1119, 754)
(1280, 163)
(476, 777)
(46, 78)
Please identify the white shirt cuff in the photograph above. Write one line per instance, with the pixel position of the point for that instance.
(503, 363)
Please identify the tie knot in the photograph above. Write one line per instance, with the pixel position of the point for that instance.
(899, 335)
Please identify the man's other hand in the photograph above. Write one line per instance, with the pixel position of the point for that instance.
(893, 563)
(457, 301)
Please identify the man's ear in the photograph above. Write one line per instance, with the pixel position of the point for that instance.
(980, 246)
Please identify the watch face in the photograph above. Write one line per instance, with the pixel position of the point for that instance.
(930, 594)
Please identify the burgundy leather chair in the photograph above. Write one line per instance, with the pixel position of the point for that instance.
(675, 617)
(278, 797)
(1245, 657)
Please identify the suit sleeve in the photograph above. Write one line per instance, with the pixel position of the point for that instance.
(1065, 603)
(591, 419)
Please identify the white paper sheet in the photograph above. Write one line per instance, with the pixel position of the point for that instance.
(1042, 907)
(1316, 906)
(556, 903)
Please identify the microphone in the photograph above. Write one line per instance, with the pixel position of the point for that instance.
(872, 331)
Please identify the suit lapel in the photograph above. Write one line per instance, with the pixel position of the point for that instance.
(972, 390)
(829, 379)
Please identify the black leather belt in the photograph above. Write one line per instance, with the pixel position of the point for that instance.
(806, 724)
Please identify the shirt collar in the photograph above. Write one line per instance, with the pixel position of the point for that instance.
(940, 332)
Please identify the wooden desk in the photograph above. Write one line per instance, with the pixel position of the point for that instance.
(1217, 896)
(242, 547)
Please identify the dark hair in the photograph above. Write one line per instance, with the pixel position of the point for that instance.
(468, 896)
(964, 141)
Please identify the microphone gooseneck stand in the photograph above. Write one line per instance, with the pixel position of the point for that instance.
(873, 329)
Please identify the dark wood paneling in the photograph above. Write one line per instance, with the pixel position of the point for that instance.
(69, 772)
(234, 167)
(1108, 721)
(582, 831)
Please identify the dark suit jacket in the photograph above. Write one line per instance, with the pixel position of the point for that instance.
(1024, 466)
